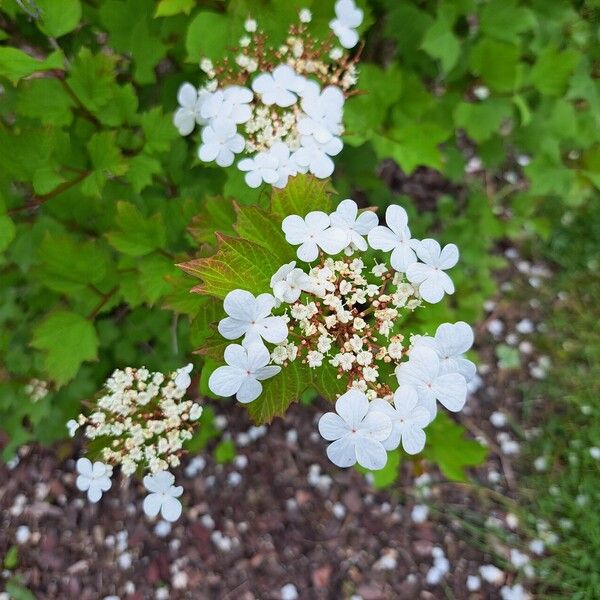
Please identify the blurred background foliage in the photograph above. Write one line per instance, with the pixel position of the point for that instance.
(492, 108)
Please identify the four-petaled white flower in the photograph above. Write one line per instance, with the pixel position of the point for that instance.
(322, 117)
(280, 87)
(231, 104)
(314, 156)
(251, 317)
(422, 371)
(395, 237)
(346, 217)
(287, 166)
(289, 282)
(356, 433)
(188, 113)
(313, 232)
(220, 142)
(451, 341)
(263, 167)
(182, 378)
(408, 419)
(245, 369)
(429, 275)
(93, 478)
(349, 17)
(163, 496)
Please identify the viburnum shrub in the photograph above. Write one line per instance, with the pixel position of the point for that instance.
(279, 107)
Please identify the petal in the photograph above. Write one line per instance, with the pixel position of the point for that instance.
(262, 83)
(402, 256)
(366, 221)
(466, 368)
(98, 469)
(225, 381)
(382, 238)
(432, 288)
(184, 120)
(249, 390)
(171, 509)
(152, 504)
(342, 452)
(84, 466)
(225, 157)
(333, 240)
(266, 372)
(94, 493)
(428, 251)
(317, 221)
(104, 483)
(240, 304)
(396, 218)
(347, 210)
(235, 355)
(258, 356)
(418, 272)
(295, 229)
(451, 390)
(376, 425)
(420, 416)
(264, 304)
(83, 483)
(454, 338)
(352, 407)
(449, 256)
(253, 179)
(405, 400)
(208, 152)
(332, 426)
(413, 440)
(308, 251)
(163, 480)
(187, 95)
(370, 454)
(273, 329)
(321, 165)
(246, 164)
(232, 329)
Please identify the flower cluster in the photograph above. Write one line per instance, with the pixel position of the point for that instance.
(280, 109)
(140, 423)
(349, 312)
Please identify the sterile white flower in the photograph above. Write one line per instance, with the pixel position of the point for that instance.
(280, 87)
(429, 275)
(183, 379)
(346, 217)
(263, 167)
(232, 104)
(315, 156)
(286, 164)
(356, 433)
(349, 17)
(93, 478)
(323, 111)
(289, 282)
(163, 496)
(313, 232)
(422, 371)
(188, 113)
(408, 419)
(451, 341)
(251, 317)
(245, 369)
(396, 238)
(220, 142)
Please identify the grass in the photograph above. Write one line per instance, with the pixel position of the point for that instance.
(567, 494)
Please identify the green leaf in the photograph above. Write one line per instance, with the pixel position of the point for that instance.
(168, 8)
(58, 18)
(207, 36)
(384, 478)
(237, 264)
(482, 120)
(204, 323)
(67, 340)
(450, 450)
(47, 100)
(7, 232)
(279, 392)
(303, 194)
(141, 170)
(16, 591)
(11, 558)
(137, 235)
(159, 130)
(107, 161)
(505, 20)
(553, 69)
(154, 270)
(15, 64)
(496, 63)
(441, 43)
(225, 452)
(508, 356)
(218, 215)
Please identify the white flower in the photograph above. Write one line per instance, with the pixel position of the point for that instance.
(289, 282)
(408, 419)
(516, 592)
(422, 371)
(72, 426)
(357, 434)
(349, 17)
(286, 164)
(346, 217)
(163, 496)
(182, 378)
(313, 232)
(232, 104)
(491, 574)
(395, 237)
(429, 275)
(251, 317)
(315, 359)
(188, 113)
(250, 25)
(245, 369)
(305, 15)
(451, 341)
(323, 112)
(315, 156)
(263, 167)
(280, 87)
(220, 142)
(93, 478)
